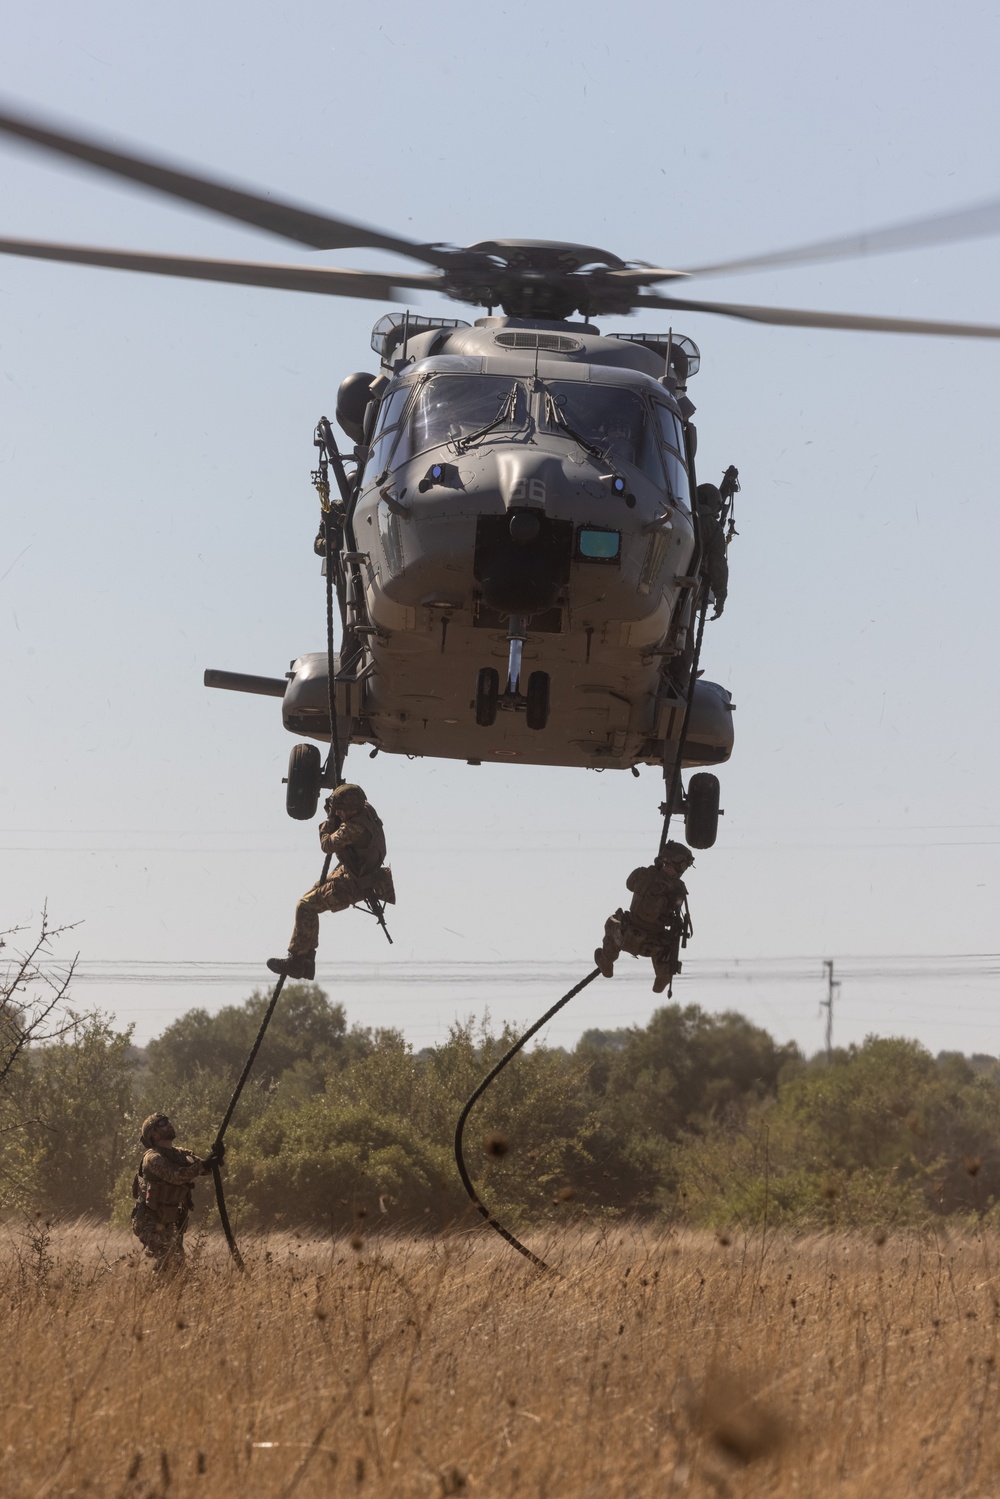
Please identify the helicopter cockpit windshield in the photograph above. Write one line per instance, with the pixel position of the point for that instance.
(458, 408)
(610, 419)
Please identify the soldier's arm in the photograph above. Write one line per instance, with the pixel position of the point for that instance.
(335, 836)
(155, 1163)
(637, 880)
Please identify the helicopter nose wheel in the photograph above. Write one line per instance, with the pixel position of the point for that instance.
(487, 696)
(536, 703)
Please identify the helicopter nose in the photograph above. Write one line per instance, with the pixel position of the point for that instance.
(528, 478)
(523, 555)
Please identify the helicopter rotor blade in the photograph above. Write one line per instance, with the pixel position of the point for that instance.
(795, 317)
(973, 222)
(304, 225)
(643, 275)
(326, 280)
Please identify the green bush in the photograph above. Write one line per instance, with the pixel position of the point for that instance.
(694, 1117)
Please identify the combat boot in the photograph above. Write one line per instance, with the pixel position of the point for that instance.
(298, 965)
(605, 963)
(665, 975)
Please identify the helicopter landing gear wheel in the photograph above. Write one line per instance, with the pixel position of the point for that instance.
(487, 696)
(536, 708)
(302, 785)
(701, 811)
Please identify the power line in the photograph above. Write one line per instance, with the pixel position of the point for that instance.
(513, 846)
(883, 968)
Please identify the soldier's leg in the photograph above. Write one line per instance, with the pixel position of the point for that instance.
(155, 1240)
(666, 964)
(611, 947)
(171, 1255)
(305, 932)
(335, 894)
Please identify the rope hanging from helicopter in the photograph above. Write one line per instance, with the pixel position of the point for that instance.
(332, 775)
(334, 521)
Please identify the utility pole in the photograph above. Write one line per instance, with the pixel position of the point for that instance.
(827, 1004)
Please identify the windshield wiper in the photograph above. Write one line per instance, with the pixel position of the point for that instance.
(554, 418)
(505, 414)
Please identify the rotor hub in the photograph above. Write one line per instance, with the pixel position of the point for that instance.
(538, 278)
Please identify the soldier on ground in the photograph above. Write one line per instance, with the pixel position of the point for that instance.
(655, 922)
(163, 1194)
(714, 561)
(353, 831)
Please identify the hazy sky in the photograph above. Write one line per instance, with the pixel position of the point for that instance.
(155, 448)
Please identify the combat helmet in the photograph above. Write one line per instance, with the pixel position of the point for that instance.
(346, 799)
(150, 1125)
(709, 498)
(677, 854)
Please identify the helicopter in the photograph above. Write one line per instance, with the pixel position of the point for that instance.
(514, 538)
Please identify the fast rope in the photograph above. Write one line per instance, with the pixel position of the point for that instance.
(490, 1077)
(674, 779)
(333, 527)
(331, 544)
(216, 1172)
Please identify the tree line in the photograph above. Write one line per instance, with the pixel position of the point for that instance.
(697, 1118)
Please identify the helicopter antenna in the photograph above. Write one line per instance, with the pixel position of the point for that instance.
(670, 349)
(406, 332)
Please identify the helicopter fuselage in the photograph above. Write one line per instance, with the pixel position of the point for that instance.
(529, 480)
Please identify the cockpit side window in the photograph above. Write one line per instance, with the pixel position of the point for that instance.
(672, 447)
(385, 430)
(611, 419)
(449, 408)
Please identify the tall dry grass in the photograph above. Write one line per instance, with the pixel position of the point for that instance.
(658, 1364)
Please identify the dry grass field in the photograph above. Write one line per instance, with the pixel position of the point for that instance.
(657, 1363)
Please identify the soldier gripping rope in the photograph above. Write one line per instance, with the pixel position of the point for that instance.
(353, 832)
(715, 563)
(656, 922)
(162, 1189)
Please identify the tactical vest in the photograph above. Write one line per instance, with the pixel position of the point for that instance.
(165, 1201)
(657, 897)
(364, 859)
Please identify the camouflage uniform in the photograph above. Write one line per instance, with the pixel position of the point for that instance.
(164, 1199)
(714, 557)
(653, 925)
(354, 834)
